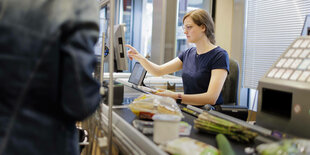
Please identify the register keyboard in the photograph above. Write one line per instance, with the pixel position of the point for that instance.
(294, 64)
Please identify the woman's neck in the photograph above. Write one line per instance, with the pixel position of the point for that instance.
(204, 45)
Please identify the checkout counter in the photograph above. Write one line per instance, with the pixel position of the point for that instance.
(130, 140)
(283, 107)
(288, 82)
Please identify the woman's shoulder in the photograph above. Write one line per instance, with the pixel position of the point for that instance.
(187, 53)
(218, 49)
(190, 50)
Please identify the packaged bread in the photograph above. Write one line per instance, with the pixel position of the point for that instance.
(189, 146)
(146, 105)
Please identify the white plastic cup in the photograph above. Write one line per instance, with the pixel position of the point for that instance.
(166, 128)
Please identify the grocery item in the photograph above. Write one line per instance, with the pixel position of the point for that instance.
(189, 146)
(146, 105)
(166, 127)
(224, 145)
(285, 147)
(212, 124)
(146, 127)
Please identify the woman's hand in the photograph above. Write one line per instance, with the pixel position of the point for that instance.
(168, 93)
(133, 53)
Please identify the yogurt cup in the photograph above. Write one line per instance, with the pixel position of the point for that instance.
(166, 127)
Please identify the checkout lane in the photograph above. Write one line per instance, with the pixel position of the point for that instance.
(128, 117)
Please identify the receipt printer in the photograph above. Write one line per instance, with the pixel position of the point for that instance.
(118, 93)
(240, 112)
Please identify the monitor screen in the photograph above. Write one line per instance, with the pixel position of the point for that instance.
(137, 75)
(306, 29)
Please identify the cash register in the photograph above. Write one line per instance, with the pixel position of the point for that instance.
(284, 91)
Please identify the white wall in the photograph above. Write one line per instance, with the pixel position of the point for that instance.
(223, 24)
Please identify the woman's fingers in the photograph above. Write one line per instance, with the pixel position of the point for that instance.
(131, 52)
(131, 48)
(160, 92)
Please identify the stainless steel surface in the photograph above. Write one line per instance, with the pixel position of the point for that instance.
(102, 65)
(130, 138)
(111, 82)
(102, 59)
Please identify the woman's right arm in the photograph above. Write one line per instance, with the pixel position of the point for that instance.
(156, 70)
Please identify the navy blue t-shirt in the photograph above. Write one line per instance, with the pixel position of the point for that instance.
(197, 69)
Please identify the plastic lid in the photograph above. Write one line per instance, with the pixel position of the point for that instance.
(166, 117)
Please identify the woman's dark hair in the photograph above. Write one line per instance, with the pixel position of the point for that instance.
(201, 17)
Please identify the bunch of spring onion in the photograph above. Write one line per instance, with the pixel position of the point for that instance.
(212, 124)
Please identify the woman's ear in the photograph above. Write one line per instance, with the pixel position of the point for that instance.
(203, 28)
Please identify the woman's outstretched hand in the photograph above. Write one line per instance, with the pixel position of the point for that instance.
(168, 93)
(133, 53)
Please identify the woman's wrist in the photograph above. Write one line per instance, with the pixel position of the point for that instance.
(178, 98)
(141, 58)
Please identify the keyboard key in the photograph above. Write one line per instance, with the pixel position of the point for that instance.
(296, 63)
(279, 73)
(272, 72)
(304, 44)
(295, 75)
(296, 53)
(304, 76)
(304, 53)
(280, 63)
(289, 53)
(287, 74)
(297, 43)
(304, 65)
(288, 63)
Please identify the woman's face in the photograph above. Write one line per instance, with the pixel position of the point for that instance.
(192, 31)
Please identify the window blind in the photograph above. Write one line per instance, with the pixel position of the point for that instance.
(271, 26)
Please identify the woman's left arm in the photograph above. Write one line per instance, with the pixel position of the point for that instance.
(218, 77)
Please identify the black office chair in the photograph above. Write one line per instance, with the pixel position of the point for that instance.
(230, 94)
(230, 88)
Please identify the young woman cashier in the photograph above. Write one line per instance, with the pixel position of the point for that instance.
(204, 67)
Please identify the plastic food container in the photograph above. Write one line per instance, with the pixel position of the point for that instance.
(166, 127)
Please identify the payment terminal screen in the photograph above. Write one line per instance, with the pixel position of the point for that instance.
(137, 74)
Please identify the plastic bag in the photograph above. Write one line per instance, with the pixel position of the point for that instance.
(189, 146)
(284, 147)
(146, 105)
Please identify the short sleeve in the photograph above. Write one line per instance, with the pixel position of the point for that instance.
(184, 54)
(221, 61)
(181, 56)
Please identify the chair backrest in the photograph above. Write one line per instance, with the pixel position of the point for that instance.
(230, 88)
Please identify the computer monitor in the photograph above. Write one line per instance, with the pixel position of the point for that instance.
(306, 28)
(120, 55)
